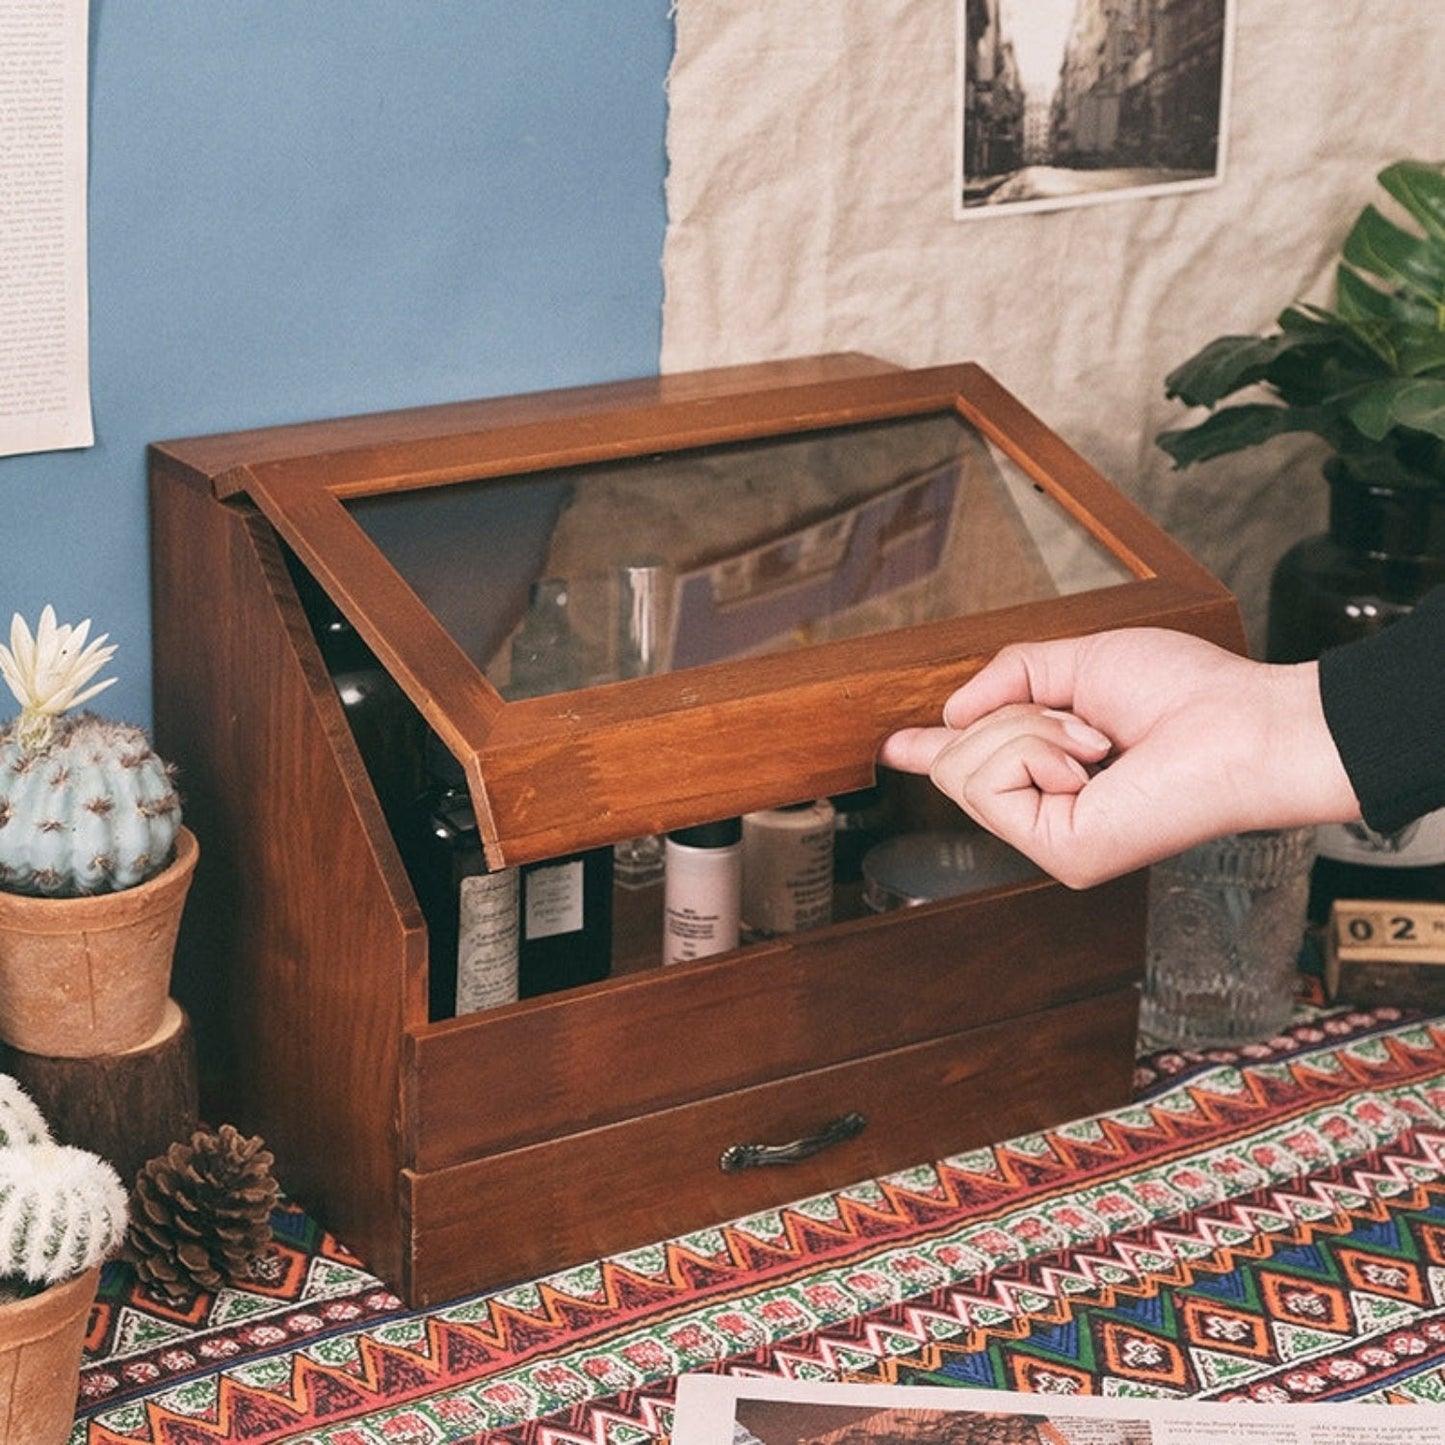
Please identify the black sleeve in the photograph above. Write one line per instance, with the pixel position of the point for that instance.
(1384, 703)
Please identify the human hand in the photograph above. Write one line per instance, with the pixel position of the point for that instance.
(1099, 754)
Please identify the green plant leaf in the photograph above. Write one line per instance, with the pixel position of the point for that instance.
(1414, 402)
(1326, 335)
(1368, 378)
(1383, 249)
(1356, 298)
(1421, 352)
(1225, 366)
(1332, 356)
(1420, 188)
(1235, 427)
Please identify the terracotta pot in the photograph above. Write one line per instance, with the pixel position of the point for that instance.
(41, 1340)
(87, 976)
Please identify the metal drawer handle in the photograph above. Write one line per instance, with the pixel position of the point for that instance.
(749, 1156)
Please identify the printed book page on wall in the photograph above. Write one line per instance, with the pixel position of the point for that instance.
(44, 312)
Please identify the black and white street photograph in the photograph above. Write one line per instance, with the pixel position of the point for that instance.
(1066, 102)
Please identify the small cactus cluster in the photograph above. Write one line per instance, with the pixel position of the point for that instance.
(86, 806)
(62, 1209)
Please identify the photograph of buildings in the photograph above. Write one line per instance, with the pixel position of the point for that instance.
(1069, 101)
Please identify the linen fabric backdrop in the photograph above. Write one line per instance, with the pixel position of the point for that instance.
(811, 151)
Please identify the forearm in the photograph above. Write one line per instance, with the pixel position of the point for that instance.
(1298, 772)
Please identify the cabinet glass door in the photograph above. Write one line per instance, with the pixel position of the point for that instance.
(579, 576)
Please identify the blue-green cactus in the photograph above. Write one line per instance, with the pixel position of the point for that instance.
(86, 806)
(93, 812)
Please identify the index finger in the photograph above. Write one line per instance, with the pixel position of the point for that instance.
(1038, 672)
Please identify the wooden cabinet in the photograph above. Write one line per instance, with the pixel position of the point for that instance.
(459, 1153)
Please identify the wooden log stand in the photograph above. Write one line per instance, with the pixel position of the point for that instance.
(125, 1107)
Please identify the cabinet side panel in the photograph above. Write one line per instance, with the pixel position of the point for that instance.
(300, 945)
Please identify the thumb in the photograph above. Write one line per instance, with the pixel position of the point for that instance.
(913, 750)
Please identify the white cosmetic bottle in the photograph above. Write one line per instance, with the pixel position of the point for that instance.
(702, 891)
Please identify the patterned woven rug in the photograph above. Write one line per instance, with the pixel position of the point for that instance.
(1265, 1227)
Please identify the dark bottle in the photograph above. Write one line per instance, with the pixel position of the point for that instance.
(498, 935)
(1385, 548)
(389, 731)
(566, 903)
(566, 922)
(859, 821)
(471, 912)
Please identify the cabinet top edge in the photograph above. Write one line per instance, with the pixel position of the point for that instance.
(213, 454)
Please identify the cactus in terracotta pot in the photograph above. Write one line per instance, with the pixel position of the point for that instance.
(95, 864)
(63, 1212)
(86, 806)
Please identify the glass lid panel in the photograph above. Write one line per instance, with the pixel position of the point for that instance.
(574, 577)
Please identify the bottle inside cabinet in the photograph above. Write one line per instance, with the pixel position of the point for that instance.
(472, 912)
(390, 733)
(493, 935)
(498, 935)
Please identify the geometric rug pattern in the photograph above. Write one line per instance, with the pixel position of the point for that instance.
(1267, 1225)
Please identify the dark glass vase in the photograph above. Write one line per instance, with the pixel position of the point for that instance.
(1385, 548)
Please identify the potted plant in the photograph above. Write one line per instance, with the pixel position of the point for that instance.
(1368, 378)
(95, 864)
(62, 1213)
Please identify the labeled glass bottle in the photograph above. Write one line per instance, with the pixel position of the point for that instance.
(471, 912)
(702, 891)
(499, 935)
(566, 903)
(1385, 548)
(566, 916)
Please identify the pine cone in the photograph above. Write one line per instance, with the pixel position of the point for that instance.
(201, 1212)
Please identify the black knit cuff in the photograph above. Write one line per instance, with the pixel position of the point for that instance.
(1384, 703)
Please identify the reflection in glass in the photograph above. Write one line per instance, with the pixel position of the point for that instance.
(680, 559)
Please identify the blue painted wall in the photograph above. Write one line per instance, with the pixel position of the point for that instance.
(307, 210)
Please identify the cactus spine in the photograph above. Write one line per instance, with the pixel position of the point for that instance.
(62, 1209)
(86, 806)
(21, 1122)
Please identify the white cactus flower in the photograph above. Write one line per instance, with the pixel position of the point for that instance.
(49, 671)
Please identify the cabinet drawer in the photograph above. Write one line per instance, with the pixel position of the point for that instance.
(671, 1036)
(596, 1191)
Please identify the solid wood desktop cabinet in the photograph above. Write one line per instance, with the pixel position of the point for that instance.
(459, 1153)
